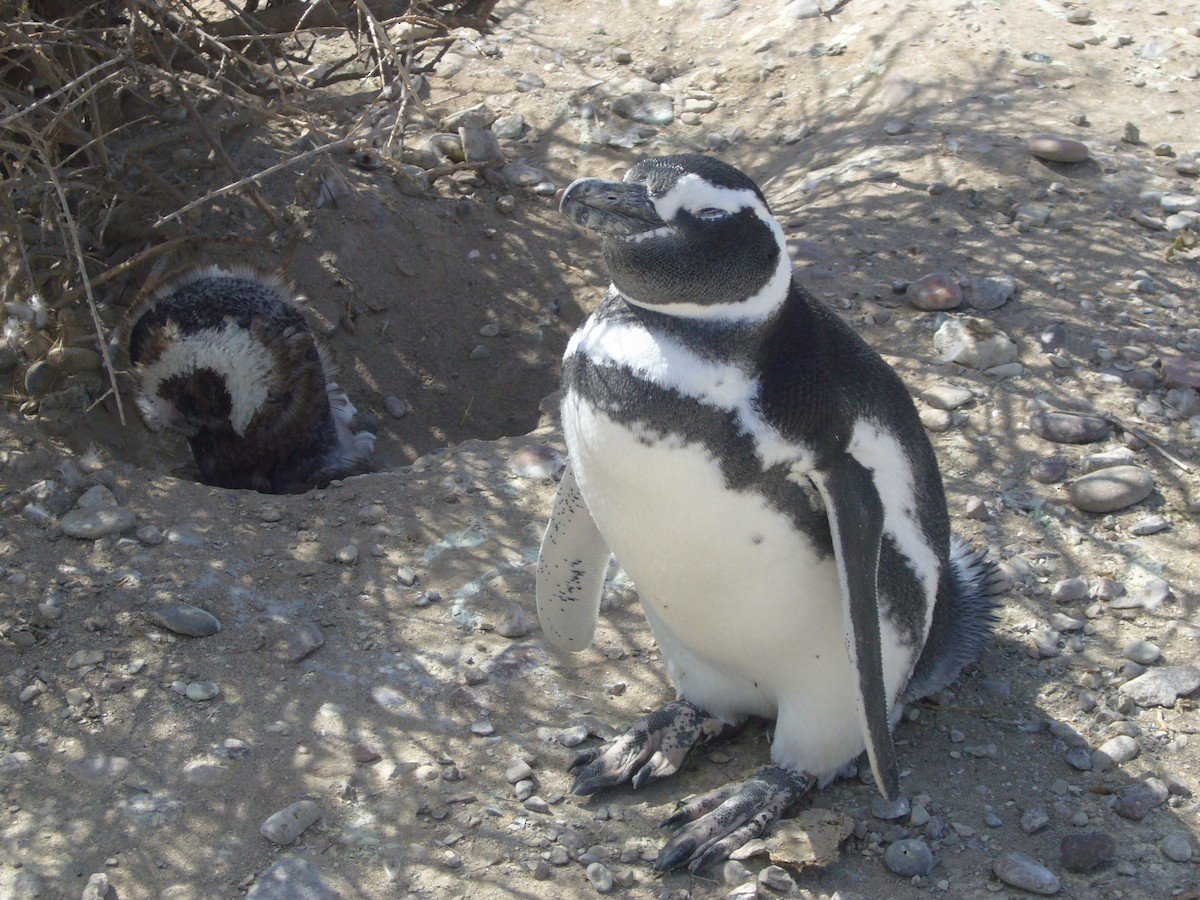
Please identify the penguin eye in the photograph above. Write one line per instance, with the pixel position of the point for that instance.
(709, 213)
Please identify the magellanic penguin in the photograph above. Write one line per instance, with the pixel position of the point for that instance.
(762, 476)
(224, 357)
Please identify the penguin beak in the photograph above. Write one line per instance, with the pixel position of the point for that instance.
(611, 208)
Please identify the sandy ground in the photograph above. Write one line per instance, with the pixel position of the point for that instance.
(890, 140)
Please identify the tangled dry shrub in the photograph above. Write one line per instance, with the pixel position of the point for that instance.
(101, 103)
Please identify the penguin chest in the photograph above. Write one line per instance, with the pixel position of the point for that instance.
(745, 606)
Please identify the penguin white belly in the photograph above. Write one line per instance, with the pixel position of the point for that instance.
(747, 615)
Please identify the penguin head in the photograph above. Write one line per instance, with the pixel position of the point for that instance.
(688, 236)
(226, 359)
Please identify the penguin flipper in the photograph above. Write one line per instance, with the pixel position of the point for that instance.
(855, 512)
(570, 572)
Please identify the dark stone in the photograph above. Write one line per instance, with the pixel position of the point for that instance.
(1084, 852)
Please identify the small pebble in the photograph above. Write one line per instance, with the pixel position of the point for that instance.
(1080, 758)
(482, 728)
(347, 555)
(1085, 852)
(81, 658)
(518, 771)
(396, 407)
(514, 623)
(1024, 872)
(1151, 524)
(406, 575)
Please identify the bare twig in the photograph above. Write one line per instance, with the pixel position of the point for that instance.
(77, 246)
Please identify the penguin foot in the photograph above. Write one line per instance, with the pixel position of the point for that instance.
(651, 748)
(722, 821)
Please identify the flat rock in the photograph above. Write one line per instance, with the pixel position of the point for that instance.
(98, 522)
(303, 639)
(1122, 456)
(1057, 148)
(947, 396)
(1162, 686)
(1026, 873)
(974, 343)
(290, 822)
(183, 618)
(1111, 489)
(1179, 371)
(935, 291)
(292, 878)
(647, 108)
(1085, 852)
(1137, 800)
(1069, 428)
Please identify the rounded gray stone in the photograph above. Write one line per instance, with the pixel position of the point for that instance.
(909, 857)
(1025, 872)
(1142, 652)
(183, 618)
(1111, 489)
(40, 378)
(989, 293)
(1176, 847)
(1070, 590)
(600, 877)
(645, 107)
(1114, 752)
(290, 822)
(1057, 148)
(1084, 852)
(1069, 428)
(92, 524)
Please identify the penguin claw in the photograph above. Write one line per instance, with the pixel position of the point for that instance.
(651, 748)
(717, 823)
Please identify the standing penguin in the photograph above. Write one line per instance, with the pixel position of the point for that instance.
(225, 358)
(762, 476)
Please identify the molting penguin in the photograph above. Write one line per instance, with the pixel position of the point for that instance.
(763, 477)
(226, 358)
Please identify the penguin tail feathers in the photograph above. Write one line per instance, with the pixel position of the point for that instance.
(959, 635)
